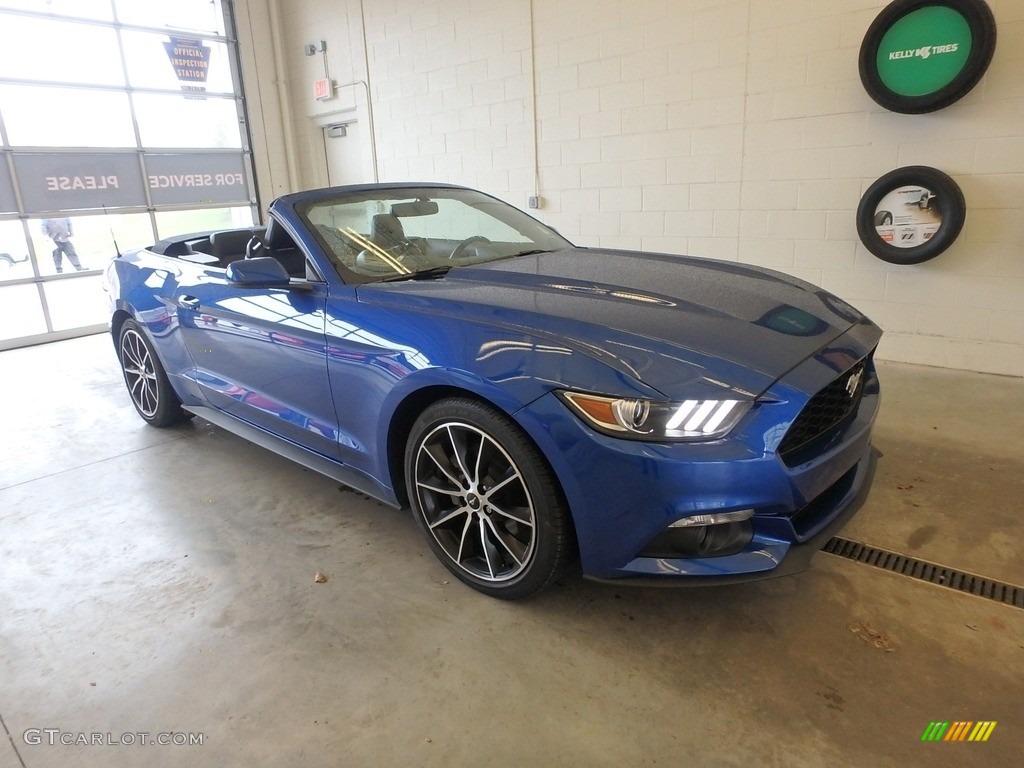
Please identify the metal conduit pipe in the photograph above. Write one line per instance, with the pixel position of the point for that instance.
(369, 99)
(283, 94)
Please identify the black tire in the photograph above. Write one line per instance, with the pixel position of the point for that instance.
(982, 25)
(144, 375)
(947, 202)
(486, 500)
(883, 219)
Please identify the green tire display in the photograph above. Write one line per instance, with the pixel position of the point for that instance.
(911, 215)
(923, 55)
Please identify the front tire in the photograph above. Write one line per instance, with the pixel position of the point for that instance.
(147, 383)
(486, 500)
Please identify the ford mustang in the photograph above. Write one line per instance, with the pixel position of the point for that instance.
(541, 407)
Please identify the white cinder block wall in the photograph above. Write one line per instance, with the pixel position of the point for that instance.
(734, 130)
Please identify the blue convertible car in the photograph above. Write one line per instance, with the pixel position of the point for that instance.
(651, 417)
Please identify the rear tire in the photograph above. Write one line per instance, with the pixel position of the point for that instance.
(144, 375)
(487, 501)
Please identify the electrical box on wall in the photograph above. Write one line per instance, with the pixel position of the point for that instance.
(534, 201)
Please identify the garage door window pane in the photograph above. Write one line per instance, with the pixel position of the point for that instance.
(178, 122)
(92, 239)
(66, 117)
(21, 314)
(14, 261)
(171, 223)
(75, 303)
(198, 15)
(149, 65)
(47, 50)
(86, 9)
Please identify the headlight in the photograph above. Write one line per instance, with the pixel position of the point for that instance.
(651, 420)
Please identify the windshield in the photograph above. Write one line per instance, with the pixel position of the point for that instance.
(393, 233)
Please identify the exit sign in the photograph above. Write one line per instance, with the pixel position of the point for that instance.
(323, 89)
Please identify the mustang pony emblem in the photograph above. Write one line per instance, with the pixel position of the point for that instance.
(853, 382)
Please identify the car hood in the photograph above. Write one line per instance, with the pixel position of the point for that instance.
(684, 326)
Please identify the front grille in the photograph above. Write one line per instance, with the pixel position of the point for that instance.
(825, 411)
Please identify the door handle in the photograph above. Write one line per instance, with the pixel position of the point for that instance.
(188, 302)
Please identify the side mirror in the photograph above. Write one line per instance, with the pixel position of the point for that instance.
(262, 272)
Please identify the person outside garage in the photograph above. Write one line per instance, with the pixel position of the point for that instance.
(59, 230)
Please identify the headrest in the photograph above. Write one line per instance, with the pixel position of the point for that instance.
(386, 230)
(230, 243)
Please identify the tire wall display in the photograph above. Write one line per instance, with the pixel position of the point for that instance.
(911, 215)
(923, 55)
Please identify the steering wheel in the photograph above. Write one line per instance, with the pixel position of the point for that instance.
(461, 247)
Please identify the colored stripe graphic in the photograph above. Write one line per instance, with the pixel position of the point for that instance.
(958, 731)
(982, 730)
(934, 731)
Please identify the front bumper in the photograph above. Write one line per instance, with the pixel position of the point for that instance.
(764, 559)
(624, 494)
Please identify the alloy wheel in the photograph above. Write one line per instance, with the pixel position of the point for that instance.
(139, 373)
(475, 501)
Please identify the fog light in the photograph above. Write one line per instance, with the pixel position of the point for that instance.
(714, 535)
(714, 519)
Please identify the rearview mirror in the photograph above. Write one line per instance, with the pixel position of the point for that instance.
(262, 272)
(417, 208)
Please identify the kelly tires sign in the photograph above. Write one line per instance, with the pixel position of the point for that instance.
(922, 55)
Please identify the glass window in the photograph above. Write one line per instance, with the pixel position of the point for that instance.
(58, 51)
(76, 303)
(455, 219)
(14, 260)
(75, 111)
(149, 63)
(170, 223)
(21, 313)
(198, 15)
(82, 243)
(85, 9)
(397, 233)
(175, 121)
(66, 117)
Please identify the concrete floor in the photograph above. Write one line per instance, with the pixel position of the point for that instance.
(162, 581)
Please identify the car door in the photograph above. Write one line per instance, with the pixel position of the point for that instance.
(366, 358)
(260, 355)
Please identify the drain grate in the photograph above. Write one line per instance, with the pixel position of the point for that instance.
(922, 570)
